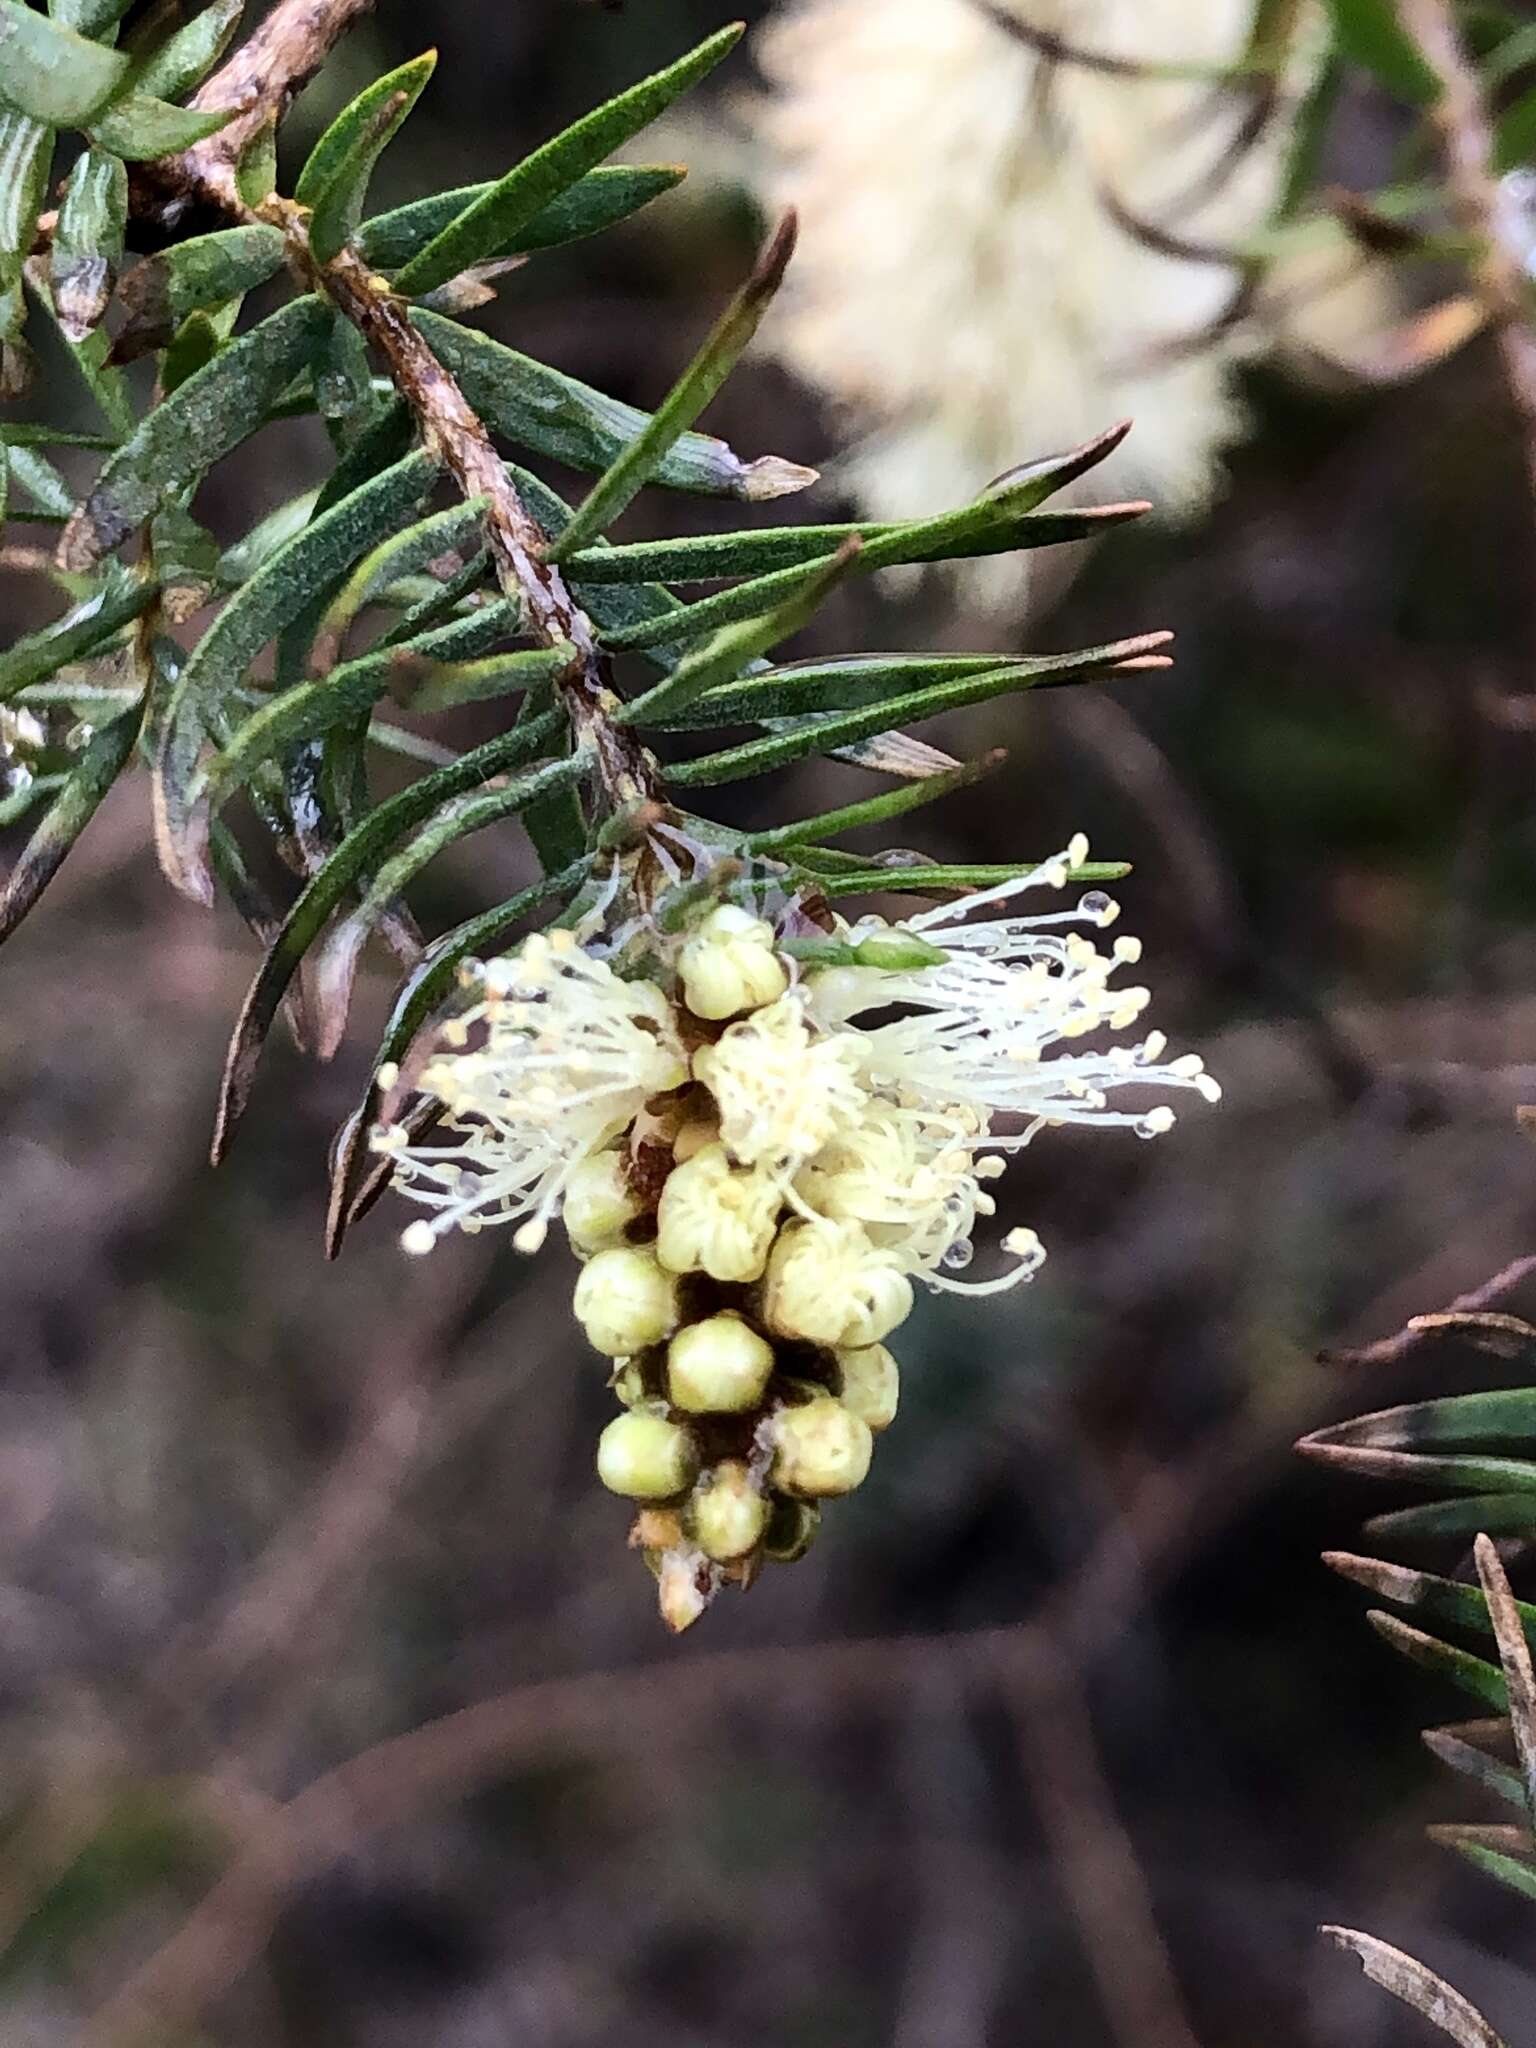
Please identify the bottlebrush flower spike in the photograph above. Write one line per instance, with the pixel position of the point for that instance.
(756, 1176)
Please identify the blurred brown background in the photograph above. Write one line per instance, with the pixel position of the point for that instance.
(258, 1514)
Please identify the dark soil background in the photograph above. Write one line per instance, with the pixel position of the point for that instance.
(258, 1514)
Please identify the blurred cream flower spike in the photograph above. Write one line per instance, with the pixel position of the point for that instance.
(968, 280)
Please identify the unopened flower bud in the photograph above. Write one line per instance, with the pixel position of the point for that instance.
(829, 1285)
(646, 1457)
(599, 1201)
(871, 1384)
(729, 965)
(726, 1514)
(626, 1301)
(819, 1449)
(717, 1218)
(792, 1527)
(657, 1529)
(720, 1366)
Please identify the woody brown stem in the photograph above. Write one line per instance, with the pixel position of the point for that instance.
(261, 79)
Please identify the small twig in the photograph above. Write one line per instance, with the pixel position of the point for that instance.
(1498, 272)
(1418, 1329)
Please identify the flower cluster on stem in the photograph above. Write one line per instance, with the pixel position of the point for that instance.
(829, 1119)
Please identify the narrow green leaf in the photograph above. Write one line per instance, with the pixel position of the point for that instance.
(537, 407)
(276, 595)
(26, 150)
(927, 879)
(440, 601)
(875, 810)
(66, 818)
(421, 995)
(191, 348)
(1515, 136)
(1517, 1873)
(139, 126)
(335, 967)
(50, 72)
(240, 562)
(356, 856)
(30, 434)
(1445, 1602)
(498, 675)
(41, 481)
(1500, 1514)
(598, 201)
(402, 555)
(182, 438)
(990, 526)
(189, 277)
(314, 707)
(88, 241)
(798, 688)
(1506, 1415)
(1473, 1675)
(261, 917)
(634, 466)
(334, 180)
(723, 657)
(817, 736)
(190, 52)
(80, 632)
(1370, 34)
(713, 557)
(487, 223)
(1470, 1761)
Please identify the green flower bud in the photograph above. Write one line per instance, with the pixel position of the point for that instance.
(645, 1457)
(792, 1527)
(599, 1201)
(626, 1301)
(871, 1384)
(720, 1366)
(729, 965)
(820, 1449)
(726, 1514)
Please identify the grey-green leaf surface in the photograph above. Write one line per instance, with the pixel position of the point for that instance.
(599, 200)
(358, 853)
(66, 818)
(557, 416)
(52, 73)
(934, 878)
(88, 241)
(335, 964)
(193, 276)
(1506, 1415)
(139, 126)
(874, 810)
(334, 180)
(184, 436)
(277, 594)
(488, 222)
(314, 707)
(88, 17)
(190, 51)
(26, 149)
